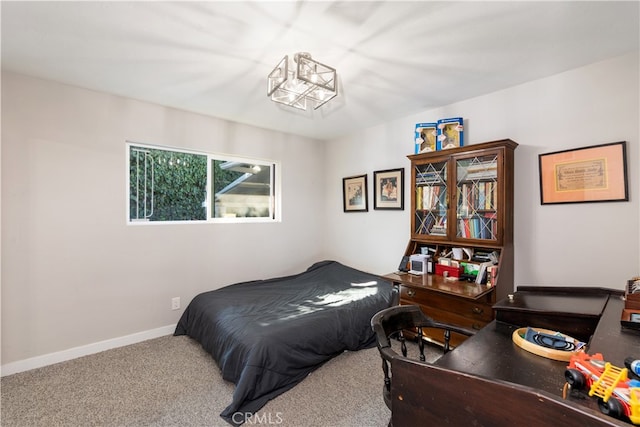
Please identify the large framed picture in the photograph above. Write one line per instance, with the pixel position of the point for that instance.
(597, 173)
(354, 193)
(388, 189)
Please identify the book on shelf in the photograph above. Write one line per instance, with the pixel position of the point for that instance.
(478, 226)
(482, 272)
(482, 255)
(438, 230)
(476, 176)
(480, 170)
(422, 222)
(492, 275)
(426, 223)
(430, 177)
(429, 198)
(476, 197)
(429, 182)
(464, 229)
(489, 194)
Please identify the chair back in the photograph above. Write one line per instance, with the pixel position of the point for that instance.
(392, 323)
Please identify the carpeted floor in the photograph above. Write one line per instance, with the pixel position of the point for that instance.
(172, 381)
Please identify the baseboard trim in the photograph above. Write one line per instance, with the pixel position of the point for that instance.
(85, 350)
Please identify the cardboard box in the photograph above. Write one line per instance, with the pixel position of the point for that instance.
(425, 137)
(450, 133)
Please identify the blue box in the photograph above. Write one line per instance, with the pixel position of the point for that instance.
(450, 133)
(425, 137)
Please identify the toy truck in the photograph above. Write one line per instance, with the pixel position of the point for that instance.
(618, 396)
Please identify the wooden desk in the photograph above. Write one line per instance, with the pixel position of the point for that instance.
(459, 303)
(490, 381)
(573, 311)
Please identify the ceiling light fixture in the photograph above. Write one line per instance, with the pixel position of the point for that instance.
(306, 80)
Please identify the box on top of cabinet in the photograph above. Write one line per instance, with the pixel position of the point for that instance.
(425, 138)
(450, 133)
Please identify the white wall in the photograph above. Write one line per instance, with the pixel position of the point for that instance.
(589, 244)
(73, 272)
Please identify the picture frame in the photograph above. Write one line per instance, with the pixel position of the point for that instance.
(354, 193)
(596, 173)
(388, 190)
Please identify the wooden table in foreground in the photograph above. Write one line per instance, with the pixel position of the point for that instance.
(490, 381)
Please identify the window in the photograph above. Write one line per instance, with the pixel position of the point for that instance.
(168, 185)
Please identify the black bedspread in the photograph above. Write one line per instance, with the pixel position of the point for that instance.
(268, 335)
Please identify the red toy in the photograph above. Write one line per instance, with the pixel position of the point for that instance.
(618, 396)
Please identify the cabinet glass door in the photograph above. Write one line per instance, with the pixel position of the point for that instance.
(477, 197)
(431, 201)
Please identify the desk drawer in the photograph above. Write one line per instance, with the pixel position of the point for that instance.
(453, 318)
(437, 335)
(473, 310)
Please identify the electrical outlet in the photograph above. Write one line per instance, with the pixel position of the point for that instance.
(175, 303)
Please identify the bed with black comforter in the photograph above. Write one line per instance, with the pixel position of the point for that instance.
(268, 335)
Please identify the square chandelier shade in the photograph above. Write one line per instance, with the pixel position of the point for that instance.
(308, 80)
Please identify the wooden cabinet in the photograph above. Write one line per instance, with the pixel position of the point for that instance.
(461, 203)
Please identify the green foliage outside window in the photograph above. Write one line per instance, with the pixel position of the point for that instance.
(178, 185)
(188, 173)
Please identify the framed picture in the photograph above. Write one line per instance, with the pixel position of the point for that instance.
(596, 173)
(354, 193)
(388, 189)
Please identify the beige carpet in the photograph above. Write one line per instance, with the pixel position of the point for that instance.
(172, 381)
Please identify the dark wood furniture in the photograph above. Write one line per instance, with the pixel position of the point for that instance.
(437, 396)
(575, 312)
(489, 381)
(456, 302)
(461, 198)
(391, 323)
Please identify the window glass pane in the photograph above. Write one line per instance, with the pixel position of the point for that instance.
(166, 185)
(242, 189)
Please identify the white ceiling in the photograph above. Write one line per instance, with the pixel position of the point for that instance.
(394, 58)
